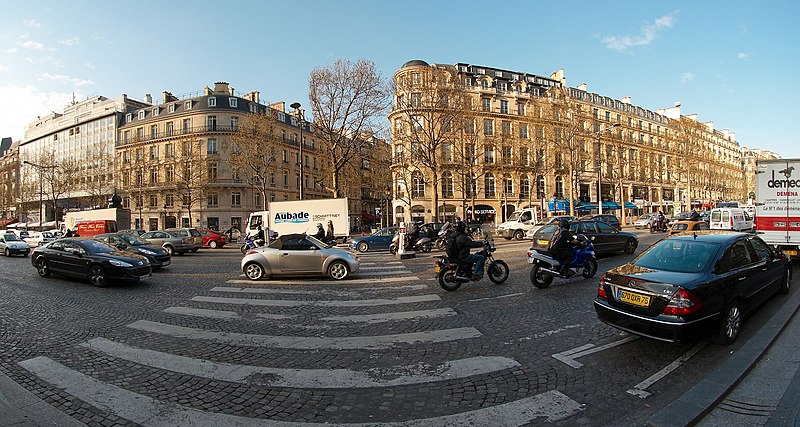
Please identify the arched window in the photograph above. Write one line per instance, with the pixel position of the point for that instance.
(559, 188)
(417, 185)
(489, 185)
(524, 186)
(447, 185)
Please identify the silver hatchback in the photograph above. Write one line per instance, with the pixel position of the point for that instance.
(301, 255)
(171, 243)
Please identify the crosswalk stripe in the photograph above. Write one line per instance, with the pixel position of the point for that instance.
(384, 263)
(388, 317)
(374, 342)
(384, 267)
(323, 282)
(352, 293)
(304, 378)
(381, 273)
(552, 405)
(319, 303)
(199, 312)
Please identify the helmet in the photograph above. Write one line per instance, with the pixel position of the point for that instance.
(319, 225)
(461, 226)
(564, 223)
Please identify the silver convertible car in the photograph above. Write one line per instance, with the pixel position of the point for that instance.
(298, 254)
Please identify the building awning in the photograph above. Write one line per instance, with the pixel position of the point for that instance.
(49, 224)
(629, 205)
(610, 206)
(33, 224)
(586, 206)
(13, 225)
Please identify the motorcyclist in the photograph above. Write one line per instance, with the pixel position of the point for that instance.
(561, 247)
(459, 247)
(260, 234)
(659, 220)
(694, 216)
(320, 234)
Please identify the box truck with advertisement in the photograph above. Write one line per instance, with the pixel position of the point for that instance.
(302, 216)
(96, 221)
(778, 204)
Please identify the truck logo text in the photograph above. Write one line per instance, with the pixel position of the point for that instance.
(291, 217)
(783, 183)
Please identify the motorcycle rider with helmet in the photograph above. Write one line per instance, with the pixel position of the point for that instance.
(459, 248)
(561, 248)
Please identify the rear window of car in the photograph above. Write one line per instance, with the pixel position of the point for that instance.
(682, 256)
(680, 226)
(194, 232)
(716, 216)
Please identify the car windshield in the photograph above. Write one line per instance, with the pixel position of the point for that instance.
(682, 256)
(98, 247)
(10, 237)
(680, 226)
(514, 216)
(133, 241)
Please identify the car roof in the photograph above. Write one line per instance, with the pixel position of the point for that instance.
(712, 236)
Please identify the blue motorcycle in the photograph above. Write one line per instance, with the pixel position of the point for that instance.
(545, 267)
(250, 243)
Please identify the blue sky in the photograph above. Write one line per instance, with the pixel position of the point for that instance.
(733, 63)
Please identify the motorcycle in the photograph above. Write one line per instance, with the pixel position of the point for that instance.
(658, 226)
(545, 267)
(251, 243)
(441, 239)
(452, 274)
(422, 244)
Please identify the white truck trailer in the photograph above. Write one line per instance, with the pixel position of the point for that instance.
(778, 204)
(302, 216)
(122, 217)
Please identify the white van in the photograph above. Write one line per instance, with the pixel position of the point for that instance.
(736, 219)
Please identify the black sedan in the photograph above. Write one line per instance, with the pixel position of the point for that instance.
(688, 287)
(603, 236)
(91, 259)
(158, 257)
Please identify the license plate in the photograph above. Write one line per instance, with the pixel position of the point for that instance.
(530, 260)
(165, 263)
(790, 252)
(633, 298)
(146, 276)
(543, 242)
(437, 269)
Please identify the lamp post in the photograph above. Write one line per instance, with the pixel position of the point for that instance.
(41, 187)
(296, 106)
(598, 134)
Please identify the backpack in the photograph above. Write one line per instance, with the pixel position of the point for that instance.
(452, 248)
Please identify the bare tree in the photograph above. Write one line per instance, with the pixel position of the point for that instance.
(59, 177)
(191, 175)
(99, 171)
(252, 155)
(347, 100)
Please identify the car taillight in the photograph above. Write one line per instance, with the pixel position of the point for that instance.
(601, 291)
(250, 253)
(683, 302)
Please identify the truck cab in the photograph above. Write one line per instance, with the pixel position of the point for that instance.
(517, 224)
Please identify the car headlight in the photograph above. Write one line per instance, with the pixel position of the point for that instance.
(147, 252)
(118, 263)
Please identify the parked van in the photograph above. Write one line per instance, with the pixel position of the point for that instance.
(736, 219)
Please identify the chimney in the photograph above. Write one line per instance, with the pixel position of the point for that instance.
(279, 106)
(221, 88)
(582, 87)
(148, 98)
(207, 91)
(626, 99)
(168, 97)
(252, 96)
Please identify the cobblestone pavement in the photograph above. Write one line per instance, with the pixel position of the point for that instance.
(198, 344)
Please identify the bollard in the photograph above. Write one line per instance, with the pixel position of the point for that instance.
(402, 253)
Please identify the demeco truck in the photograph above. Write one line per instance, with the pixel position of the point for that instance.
(778, 204)
(302, 216)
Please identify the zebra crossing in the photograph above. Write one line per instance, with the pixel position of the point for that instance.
(373, 339)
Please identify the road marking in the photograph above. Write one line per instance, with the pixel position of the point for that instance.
(384, 263)
(304, 378)
(323, 282)
(640, 389)
(382, 273)
(388, 317)
(351, 293)
(569, 356)
(552, 405)
(497, 297)
(384, 267)
(324, 303)
(373, 342)
(545, 334)
(199, 312)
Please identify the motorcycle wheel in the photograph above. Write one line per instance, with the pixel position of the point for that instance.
(590, 269)
(539, 279)
(498, 272)
(392, 249)
(447, 279)
(427, 247)
(440, 245)
(243, 248)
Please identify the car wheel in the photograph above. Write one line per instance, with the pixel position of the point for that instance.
(194, 250)
(7, 252)
(787, 280)
(97, 276)
(42, 268)
(519, 235)
(254, 271)
(170, 250)
(731, 324)
(630, 246)
(212, 244)
(338, 270)
(362, 246)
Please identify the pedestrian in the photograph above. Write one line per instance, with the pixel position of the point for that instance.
(329, 233)
(68, 233)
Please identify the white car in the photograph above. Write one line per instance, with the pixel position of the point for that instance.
(36, 238)
(10, 244)
(546, 221)
(643, 221)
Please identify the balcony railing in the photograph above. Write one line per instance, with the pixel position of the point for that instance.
(179, 132)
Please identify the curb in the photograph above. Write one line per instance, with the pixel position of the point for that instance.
(696, 403)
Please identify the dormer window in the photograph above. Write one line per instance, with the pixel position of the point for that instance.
(233, 102)
(128, 117)
(212, 101)
(141, 115)
(171, 108)
(187, 105)
(155, 111)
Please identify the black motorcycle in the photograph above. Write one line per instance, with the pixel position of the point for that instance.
(452, 274)
(657, 226)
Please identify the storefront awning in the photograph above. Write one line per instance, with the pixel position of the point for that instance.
(629, 205)
(33, 224)
(610, 206)
(586, 206)
(49, 224)
(13, 225)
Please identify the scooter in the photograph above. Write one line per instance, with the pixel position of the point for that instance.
(422, 244)
(452, 274)
(545, 267)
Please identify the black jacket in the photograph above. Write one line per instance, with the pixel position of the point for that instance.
(460, 245)
(562, 243)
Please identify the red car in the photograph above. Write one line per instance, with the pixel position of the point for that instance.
(213, 239)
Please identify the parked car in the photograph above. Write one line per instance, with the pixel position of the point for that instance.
(547, 221)
(379, 240)
(298, 254)
(688, 287)
(604, 238)
(88, 258)
(213, 239)
(680, 216)
(37, 238)
(609, 219)
(685, 226)
(171, 243)
(191, 233)
(135, 233)
(21, 234)
(157, 256)
(10, 244)
(643, 221)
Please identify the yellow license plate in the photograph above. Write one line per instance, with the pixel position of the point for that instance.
(790, 252)
(633, 298)
(543, 242)
(436, 269)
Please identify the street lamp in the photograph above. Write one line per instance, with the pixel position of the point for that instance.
(600, 169)
(41, 188)
(300, 113)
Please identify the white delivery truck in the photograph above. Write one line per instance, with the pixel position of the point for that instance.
(517, 224)
(120, 217)
(778, 204)
(302, 216)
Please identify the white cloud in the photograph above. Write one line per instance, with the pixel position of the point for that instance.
(89, 65)
(3, 67)
(31, 102)
(30, 44)
(32, 23)
(66, 79)
(687, 76)
(70, 42)
(10, 50)
(649, 32)
(742, 55)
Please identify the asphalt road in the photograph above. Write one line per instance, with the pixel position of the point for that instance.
(197, 344)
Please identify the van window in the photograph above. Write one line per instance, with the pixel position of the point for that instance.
(716, 216)
(726, 216)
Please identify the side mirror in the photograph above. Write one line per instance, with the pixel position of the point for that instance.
(77, 253)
